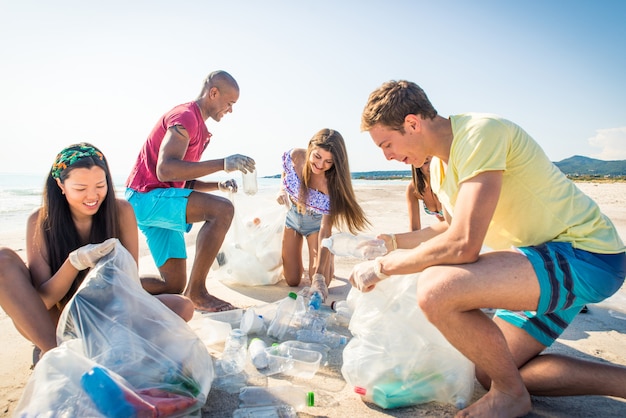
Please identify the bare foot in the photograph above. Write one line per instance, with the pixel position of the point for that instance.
(498, 404)
(208, 303)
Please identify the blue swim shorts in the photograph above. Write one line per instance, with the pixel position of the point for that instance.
(569, 278)
(304, 224)
(162, 217)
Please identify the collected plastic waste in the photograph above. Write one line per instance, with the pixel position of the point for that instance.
(257, 353)
(233, 359)
(298, 397)
(364, 247)
(281, 325)
(329, 338)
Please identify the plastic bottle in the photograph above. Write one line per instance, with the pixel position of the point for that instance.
(287, 308)
(331, 339)
(342, 313)
(233, 358)
(249, 182)
(282, 411)
(345, 244)
(296, 396)
(257, 353)
(315, 301)
(113, 399)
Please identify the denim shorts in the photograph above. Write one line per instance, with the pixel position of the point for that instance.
(304, 224)
(569, 279)
(162, 217)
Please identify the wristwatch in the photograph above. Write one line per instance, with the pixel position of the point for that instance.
(377, 269)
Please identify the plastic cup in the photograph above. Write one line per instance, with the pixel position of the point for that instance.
(249, 182)
(251, 323)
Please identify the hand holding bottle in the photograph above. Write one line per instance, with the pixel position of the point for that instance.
(88, 255)
(229, 185)
(238, 162)
(282, 198)
(318, 284)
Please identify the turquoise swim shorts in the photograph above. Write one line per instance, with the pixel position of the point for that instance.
(569, 279)
(162, 217)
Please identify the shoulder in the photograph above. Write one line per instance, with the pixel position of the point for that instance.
(298, 155)
(124, 209)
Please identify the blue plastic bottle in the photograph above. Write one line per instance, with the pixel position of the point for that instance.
(315, 301)
(106, 394)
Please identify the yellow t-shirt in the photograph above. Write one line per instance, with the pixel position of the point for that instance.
(537, 202)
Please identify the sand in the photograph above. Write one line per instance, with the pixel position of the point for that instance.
(600, 334)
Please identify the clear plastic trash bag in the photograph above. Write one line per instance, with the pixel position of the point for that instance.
(251, 254)
(396, 357)
(127, 333)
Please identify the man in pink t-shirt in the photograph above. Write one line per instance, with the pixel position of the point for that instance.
(167, 197)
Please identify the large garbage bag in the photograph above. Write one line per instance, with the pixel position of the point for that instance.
(251, 254)
(113, 334)
(396, 357)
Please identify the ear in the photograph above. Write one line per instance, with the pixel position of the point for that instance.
(213, 92)
(61, 186)
(413, 122)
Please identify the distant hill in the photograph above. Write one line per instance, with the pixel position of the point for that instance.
(579, 166)
(575, 167)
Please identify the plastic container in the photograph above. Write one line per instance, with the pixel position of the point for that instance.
(233, 317)
(279, 328)
(296, 396)
(251, 323)
(257, 353)
(323, 349)
(331, 339)
(209, 330)
(293, 361)
(250, 186)
(233, 358)
(364, 247)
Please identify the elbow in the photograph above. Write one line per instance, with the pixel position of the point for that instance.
(466, 253)
(165, 173)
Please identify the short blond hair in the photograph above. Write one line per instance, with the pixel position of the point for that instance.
(392, 102)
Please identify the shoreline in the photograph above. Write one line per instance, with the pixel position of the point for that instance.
(597, 334)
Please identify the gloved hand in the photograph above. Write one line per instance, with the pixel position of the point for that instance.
(372, 248)
(88, 255)
(365, 275)
(282, 198)
(238, 162)
(229, 185)
(318, 283)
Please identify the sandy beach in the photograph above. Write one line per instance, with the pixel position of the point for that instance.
(599, 334)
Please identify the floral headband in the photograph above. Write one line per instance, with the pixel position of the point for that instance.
(70, 155)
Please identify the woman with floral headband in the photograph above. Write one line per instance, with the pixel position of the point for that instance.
(65, 237)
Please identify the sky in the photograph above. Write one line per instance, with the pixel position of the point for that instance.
(105, 71)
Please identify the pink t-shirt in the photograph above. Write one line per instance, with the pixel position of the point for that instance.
(143, 176)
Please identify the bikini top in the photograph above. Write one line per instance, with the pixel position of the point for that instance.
(438, 213)
(316, 201)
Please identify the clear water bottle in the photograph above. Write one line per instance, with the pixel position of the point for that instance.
(296, 396)
(364, 247)
(282, 411)
(288, 307)
(233, 358)
(250, 186)
(329, 338)
(257, 353)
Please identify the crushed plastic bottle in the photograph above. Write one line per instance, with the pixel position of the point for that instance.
(315, 301)
(233, 358)
(329, 338)
(296, 396)
(364, 247)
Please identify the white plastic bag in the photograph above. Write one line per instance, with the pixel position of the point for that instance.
(396, 357)
(251, 254)
(139, 343)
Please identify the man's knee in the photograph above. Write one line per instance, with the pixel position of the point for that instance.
(431, 293)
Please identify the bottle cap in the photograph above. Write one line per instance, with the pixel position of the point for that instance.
(293, 295)
(361, 391)
(310, 399)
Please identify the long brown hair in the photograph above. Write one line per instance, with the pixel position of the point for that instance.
(344, 208)
(55, 219)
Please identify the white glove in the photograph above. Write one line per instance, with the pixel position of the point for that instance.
(238, 162)
(229, 185)
(365, 275)
(88, 255)
(372, 248)
(282, 198)
(318, 283)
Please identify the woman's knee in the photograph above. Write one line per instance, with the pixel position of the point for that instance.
(10, 262)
